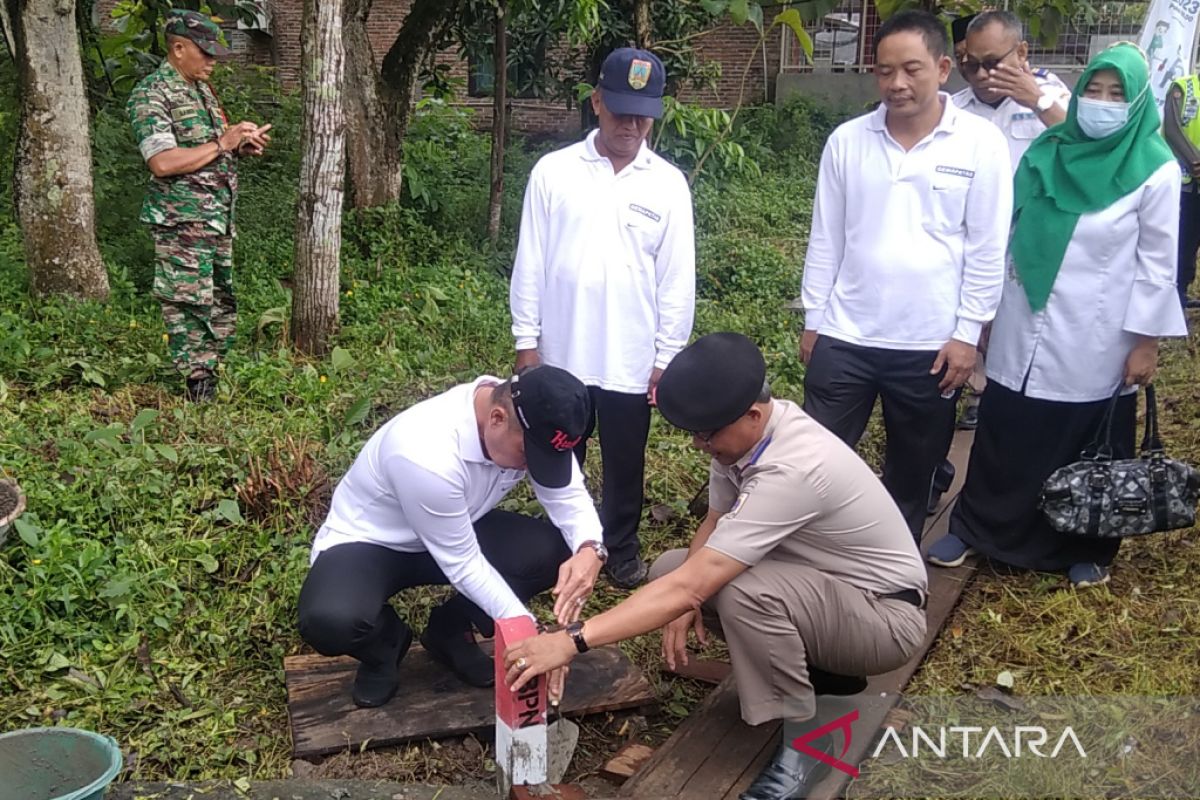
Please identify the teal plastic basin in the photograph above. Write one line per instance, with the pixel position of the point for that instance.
(57, 764)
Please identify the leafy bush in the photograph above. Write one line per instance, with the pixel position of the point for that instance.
(150, 589)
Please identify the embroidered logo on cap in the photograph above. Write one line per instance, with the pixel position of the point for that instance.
(562, 442)
(639, 73)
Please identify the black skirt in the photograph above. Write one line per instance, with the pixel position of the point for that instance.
(1020, 441)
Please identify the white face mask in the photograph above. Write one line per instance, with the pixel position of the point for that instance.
(1100, 118)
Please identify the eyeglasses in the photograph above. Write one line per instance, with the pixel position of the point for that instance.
(707, 436)
(970, 65)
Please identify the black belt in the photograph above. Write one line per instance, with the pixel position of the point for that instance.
(910, 596)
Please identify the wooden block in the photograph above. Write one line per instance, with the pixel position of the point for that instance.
(432, 703)
(627, 760)
(521, 754)
(546, 791)
(702, 669)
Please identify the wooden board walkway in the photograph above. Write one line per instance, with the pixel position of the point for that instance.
(713, 755)
(432, 703)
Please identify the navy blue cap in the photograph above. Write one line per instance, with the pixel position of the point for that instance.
(632, 82)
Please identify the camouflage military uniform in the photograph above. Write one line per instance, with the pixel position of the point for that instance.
(190, 217)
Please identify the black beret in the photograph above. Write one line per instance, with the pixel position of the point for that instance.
(958, 28)
(712, 382)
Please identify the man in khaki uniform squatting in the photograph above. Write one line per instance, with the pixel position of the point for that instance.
(803, 558)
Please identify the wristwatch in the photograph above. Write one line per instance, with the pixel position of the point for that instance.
(601, 550)
(1045, 101)
(575, 631)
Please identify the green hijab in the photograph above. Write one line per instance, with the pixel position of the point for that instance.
(1064, 174)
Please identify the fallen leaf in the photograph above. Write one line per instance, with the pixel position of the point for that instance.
(994, 695)
(1005, 679)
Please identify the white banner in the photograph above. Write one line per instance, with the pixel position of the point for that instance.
(1167, 40)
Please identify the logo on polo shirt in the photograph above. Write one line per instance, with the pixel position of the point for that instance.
(645, 212)
(959, 171)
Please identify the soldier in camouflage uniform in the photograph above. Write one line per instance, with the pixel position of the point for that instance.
(192, 152)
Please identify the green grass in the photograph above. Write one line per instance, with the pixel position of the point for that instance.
(149, 591)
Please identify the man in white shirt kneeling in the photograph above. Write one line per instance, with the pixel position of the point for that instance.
(418, 508)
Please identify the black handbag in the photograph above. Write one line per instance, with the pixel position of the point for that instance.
(1113, 498)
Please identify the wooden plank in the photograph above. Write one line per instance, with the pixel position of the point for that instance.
(693, 742)
(432, 703)
(701, 669)
(625, 762)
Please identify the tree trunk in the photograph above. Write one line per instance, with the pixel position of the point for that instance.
(53, 173)
(372, 152)
(423, 28)
(499, 119)
(641, 23)
(322, 173)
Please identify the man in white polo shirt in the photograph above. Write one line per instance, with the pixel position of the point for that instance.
(905, 260)
(417, 508)
(604, 281)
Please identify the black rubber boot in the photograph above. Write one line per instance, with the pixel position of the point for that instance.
(378, 675)
(201, 389)
(943, 476)
(829, 683)
(449, 640)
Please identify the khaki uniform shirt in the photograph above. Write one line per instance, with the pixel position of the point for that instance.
(169, 111)
(802, 495)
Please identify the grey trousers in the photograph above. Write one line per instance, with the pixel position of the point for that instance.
(779, 616)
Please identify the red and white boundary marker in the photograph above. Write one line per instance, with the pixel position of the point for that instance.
(521, 754)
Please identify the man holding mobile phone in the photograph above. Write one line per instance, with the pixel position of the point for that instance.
(192, 152)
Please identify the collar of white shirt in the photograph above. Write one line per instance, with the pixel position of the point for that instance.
(950, 115)
(590, 153)
(470, 448)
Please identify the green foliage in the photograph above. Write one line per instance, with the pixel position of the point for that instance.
(150, 590)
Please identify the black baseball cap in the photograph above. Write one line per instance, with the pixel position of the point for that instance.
(197, 27)
(712, 382)
(632, 83)
(554, 408)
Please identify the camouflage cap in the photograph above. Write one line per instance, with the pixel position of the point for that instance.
(197, 27)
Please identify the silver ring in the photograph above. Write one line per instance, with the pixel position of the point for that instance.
(580, 601)
(522, 663)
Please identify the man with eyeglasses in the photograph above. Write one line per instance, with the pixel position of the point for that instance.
(804, 564)
(1019, 100)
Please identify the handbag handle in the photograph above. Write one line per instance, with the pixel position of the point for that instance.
(1151, 443)
(1100, 448)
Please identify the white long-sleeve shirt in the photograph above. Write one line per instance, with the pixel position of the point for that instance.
(420, 483)
(907, 248)
(1117, 280)
(604, 283)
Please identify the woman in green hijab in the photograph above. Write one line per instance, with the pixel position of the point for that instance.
(1090, 290)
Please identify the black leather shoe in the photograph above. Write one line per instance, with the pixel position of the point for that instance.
(790, 774)
(459, 653)
(376, 682)
(943, 476)
(628, 574)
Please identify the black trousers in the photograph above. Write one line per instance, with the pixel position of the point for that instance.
(1019, 443)
(841, 385)
(1189, 241)
(344, 607)
(624, 423)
